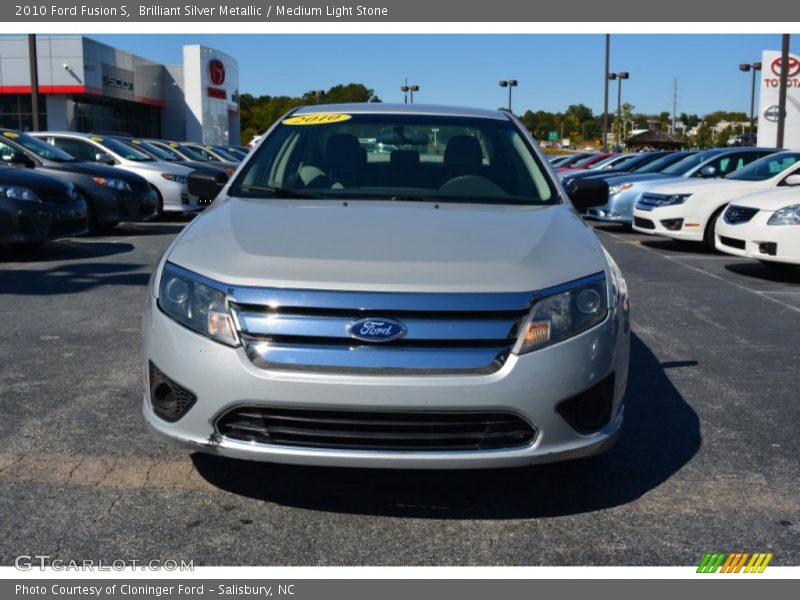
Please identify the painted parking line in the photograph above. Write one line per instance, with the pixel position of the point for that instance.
(765, 295)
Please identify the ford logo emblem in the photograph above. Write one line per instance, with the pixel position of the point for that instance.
(376, 330)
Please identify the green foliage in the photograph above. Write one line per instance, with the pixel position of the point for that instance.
(258, 113)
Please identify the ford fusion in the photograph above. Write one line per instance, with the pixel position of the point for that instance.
(441, 305)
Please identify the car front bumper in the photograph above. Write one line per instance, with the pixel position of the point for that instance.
(24, 222)
(655, 222)
(114, 206)
(755, 239)
(529, 386)
(618, 209)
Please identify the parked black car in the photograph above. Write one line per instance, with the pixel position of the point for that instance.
(112, 195)
(35, 208)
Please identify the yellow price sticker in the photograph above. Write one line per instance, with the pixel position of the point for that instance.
(96, 139)
(11, 134)
(317, 119)
(173, 145)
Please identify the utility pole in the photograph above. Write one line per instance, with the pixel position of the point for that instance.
(674, 104)
(34, 68)
(782, 89)
(605, 95)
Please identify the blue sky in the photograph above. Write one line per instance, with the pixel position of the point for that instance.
(553, 70)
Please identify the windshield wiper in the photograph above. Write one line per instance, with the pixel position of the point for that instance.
(279, 192)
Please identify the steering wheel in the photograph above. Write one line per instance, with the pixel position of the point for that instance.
(472, 185)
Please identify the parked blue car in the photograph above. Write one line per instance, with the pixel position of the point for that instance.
(624, 190)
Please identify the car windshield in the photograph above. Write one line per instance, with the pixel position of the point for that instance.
(155, 151)
(433, 158)
(687, 164)
(586, 160)
(658, 165)
(222, 154)
(766, 168)
(126, 151)
(626, 161)
(42, 149)
(187, 152)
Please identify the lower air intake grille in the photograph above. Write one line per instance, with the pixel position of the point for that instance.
(378, 431)
(643, 223)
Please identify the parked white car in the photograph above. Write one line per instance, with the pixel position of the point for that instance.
(689, 210)
(763, 226)
(168, 179)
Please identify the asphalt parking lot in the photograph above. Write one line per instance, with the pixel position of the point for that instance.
(709, 459)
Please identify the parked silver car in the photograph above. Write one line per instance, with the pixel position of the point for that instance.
(168, 179)
(442, 307)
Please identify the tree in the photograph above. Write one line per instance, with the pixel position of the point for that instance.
(258, 113)
(704, 138)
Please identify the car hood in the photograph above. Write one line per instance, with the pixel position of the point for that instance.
(771, 200)
(94, 170)
(388, 246)
(636, 177)
(38, 182)
(158, 166)
(709, 186)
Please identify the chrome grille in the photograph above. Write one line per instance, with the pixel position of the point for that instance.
(649, 201)
(735, 215)
(376, 430)
(308, 329)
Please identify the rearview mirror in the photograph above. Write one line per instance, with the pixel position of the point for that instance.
(708, 172)
(20, 159)
(206, 185)
(587, 193)
(102, 157)
(402, 138)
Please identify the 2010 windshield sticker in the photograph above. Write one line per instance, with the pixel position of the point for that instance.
(317, 119)
(11, 134)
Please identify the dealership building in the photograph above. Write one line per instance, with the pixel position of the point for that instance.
(768, 111)
(91, 87)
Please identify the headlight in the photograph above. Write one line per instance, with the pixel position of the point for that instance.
(16, 192)
(116, 184)
(173, 177)
(198, 306)
(789, 215)
(618, 189)
(671, 200)
(564, 314)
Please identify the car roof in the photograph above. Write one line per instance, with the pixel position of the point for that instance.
(409, 109)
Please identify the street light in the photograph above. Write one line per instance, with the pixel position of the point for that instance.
(619, 77)
(317, 95)
(409, 90)
(509, 83)
(746, 67)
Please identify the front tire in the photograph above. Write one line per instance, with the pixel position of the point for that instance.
(711, 226)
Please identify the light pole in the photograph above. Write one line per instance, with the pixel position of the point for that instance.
(409, 91)
(509, 83)
(754, 67)
(619, 77)
(605, 94)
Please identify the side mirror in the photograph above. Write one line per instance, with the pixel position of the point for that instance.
(102, 157)
(792, 180)
(19, 159)
(206, 185)
(587, 193)
(708, 172)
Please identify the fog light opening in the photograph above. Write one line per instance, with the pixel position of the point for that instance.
(589, 411)
(169, 400)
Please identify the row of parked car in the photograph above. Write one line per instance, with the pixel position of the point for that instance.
(57, 184)
(741, 201)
